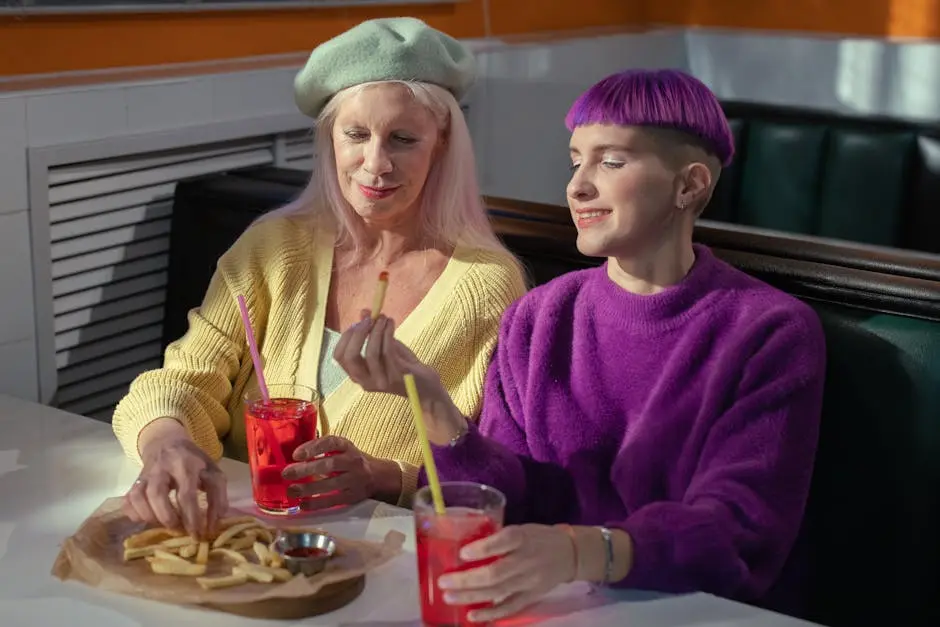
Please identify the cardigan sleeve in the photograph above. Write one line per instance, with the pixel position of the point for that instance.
(194, 384)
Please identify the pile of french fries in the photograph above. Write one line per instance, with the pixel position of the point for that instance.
(172, 552)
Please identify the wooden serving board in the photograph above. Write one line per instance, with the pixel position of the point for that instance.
(328, 599)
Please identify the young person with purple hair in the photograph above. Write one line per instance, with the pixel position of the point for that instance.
(653, 421)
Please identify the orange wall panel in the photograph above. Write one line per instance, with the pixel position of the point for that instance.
(516, 17)
(877, 18)
(34, 45)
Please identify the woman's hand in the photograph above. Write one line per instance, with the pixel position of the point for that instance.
(176, 462)
(384, 366)
(386, 360)
(533, 559)
(337, 473)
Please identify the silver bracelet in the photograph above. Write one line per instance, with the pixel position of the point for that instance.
(608, 555)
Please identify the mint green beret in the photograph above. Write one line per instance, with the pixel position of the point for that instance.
(398, 48)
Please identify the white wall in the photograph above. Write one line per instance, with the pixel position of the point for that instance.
(515, 115)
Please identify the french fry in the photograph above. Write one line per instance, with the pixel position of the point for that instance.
(235, 556)
(231, 521)
(280, 574)
(252, 572)
(225, 581)
(276, 560)
(188, 551)
(264, 555)
(240, 544)
(181, 568)
(264, 534)
(177, 543)
(138, 552)
(202, 554)
(263, 574)
(150, 536)
(379, 298)
(231, 532)
(166, 556)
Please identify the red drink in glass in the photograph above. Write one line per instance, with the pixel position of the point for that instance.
(273, 431)
(474, 511)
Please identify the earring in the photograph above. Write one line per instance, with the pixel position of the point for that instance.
(682, 204)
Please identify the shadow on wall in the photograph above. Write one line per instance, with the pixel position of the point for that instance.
(109, 303)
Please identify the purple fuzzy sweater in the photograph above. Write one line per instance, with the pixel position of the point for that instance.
(688, 419)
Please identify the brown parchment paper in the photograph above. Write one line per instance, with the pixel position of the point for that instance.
(94, 555)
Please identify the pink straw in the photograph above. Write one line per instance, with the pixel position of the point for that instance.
(259, 372)
(253, 347)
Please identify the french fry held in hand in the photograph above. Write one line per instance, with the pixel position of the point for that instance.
(171, 552)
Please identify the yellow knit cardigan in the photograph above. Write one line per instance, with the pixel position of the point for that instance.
(283, 265)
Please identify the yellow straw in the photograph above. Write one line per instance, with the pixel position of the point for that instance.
(433, 482)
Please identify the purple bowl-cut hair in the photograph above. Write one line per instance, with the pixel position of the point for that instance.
(667, 99)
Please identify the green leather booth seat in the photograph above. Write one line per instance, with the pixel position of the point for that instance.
(860, 179)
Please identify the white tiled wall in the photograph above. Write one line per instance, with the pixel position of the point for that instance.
(13, 181)
(16, 279)
(248, 94)
(73, 116)
(168, 104)
(102, 112)
(515, 115)
(18, 370)
(849, 75)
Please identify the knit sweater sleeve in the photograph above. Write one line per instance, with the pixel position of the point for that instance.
(732, 531)
(495, 452)
(195, 382)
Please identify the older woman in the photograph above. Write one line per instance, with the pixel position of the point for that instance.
(394, 189)
(665, 405)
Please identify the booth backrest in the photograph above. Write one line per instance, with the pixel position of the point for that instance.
(860, 179)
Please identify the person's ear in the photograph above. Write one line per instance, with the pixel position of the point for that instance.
(695, 186)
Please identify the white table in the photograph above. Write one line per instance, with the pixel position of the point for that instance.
(56, 468)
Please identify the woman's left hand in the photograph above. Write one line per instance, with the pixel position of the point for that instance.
(342, 474)
(533, 559)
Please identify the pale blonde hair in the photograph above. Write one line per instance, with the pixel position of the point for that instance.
(451, 211)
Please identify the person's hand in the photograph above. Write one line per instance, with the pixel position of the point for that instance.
(336, 473)
(177, 463)
(386, 360)
(384, 366)
(533, 559)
